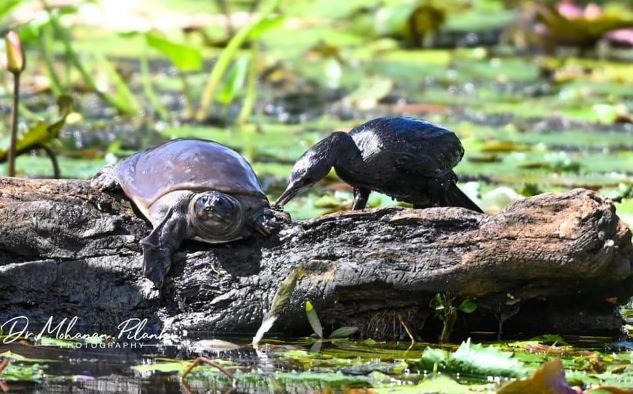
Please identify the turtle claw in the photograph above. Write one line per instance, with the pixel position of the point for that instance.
(105, 179)
(271, 221)
(156, 263)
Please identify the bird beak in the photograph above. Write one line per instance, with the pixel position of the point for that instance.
(290, 192)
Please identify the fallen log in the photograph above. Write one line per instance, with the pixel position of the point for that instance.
(552, 263)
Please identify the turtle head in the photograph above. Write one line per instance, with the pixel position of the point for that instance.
(315, 164)
(216, 215)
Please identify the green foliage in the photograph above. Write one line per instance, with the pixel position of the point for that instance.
(279, 303)
(313, 319)
(234, 81)
(478, 359)
(7, 6)
(124, 101)
(467, 306)
(185, 57)
(230, 52)
(23, 373)
(42, 133)
(473, 359)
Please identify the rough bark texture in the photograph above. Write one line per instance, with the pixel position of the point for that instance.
(555, 262)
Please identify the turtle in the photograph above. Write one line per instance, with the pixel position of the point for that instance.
(190, 189)
(409, 159)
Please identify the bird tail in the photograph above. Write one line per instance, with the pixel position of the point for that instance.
(456, 198)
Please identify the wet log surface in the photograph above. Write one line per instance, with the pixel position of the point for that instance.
(552, 263)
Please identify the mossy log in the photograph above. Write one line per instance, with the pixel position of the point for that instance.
(552, 263)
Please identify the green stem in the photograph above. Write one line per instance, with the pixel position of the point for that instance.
(14, 123)
(76, 62)
(450, 317)
(227, 55)
(44, 42)
(251, 87)
(187, 93)
(148, 88)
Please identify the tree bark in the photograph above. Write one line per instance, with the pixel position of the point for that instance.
(554, 262)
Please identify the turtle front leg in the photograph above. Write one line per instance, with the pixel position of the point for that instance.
(160, 245)
(269, 221)
(105, 179)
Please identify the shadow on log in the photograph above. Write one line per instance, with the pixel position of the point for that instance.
(552, 263)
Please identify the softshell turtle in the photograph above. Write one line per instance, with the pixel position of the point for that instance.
(408, 159)
(190, 189)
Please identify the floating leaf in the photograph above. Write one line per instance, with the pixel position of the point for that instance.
(371, 90)
(22, 373)
(481, 360)
(433, 359)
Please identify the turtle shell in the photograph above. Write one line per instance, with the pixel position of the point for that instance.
(185, 164)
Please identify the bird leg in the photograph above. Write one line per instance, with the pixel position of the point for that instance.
(360, 198)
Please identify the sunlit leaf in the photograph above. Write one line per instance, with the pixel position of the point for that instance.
(266, 25)
(433, 359)
(42, 133)
(485, 360)
(234, 82)
(313, 319)
(280, 301)
(7, 5)
(184, 57)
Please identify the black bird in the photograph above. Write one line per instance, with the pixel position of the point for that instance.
(408, 159)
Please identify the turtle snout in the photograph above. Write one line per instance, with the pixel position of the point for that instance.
(217, 204)
(215, 207)
(212, 202)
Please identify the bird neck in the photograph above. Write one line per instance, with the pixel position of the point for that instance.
(346, 154)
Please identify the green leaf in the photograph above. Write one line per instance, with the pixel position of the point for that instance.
(265, 25)
(433, 359)
(282, 296)
(42, 133)
(124, 98)
(7, 5)
(487, 361)
(281, 299)
(468, 306)
(227, 56)
(234, 81)
(184, 57)
(22, 373)
(313, 319)
(343, 332)
(172, 366)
